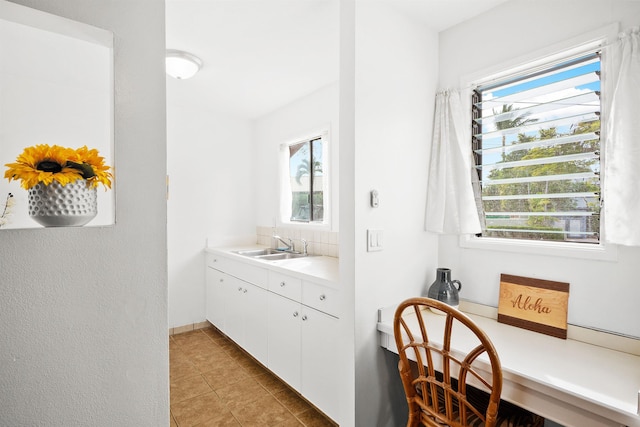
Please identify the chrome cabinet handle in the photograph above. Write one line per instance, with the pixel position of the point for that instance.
(240, 289)
(295, 314)
(322, 297)
(244, 291)
(282, 283)
(304, 317)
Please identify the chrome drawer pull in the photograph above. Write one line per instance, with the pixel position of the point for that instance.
(322, 297)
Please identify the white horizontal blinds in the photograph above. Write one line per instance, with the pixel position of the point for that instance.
(536, 144)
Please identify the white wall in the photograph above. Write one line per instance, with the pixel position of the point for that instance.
(395, 78)
(83, 311)
(300, 119)
(603, 294)
(209, 162)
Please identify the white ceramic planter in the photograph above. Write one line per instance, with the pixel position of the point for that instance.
(55, 205)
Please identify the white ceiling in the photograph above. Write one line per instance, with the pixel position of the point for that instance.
(259, 55)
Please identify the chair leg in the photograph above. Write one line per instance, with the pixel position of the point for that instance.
(414, 419)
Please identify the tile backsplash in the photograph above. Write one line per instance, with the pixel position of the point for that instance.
(319, 242)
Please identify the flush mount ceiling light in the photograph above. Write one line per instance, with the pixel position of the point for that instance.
(182, 65)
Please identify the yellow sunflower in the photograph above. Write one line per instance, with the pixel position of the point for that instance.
(92, 166)
(44, 163)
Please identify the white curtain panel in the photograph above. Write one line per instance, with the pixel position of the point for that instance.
(622, 141)
(451, 206)
(285, 184)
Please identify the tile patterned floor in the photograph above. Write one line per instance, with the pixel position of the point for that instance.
(215, 383)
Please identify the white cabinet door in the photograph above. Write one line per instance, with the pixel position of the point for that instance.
(254, 301)
(215, 303)
(245, 315)
(233, 291)
(320, 361)
(284, 339)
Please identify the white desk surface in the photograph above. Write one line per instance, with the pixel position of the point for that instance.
(567, 381)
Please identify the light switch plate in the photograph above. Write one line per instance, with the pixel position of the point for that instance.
(374, 240)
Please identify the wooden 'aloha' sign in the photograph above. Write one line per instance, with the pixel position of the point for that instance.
(534, 304)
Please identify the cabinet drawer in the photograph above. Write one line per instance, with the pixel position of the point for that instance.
(286, 286)
(321, 298)
(212, 260)
(247, 272)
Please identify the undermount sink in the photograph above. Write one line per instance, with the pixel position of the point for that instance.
(270, 254)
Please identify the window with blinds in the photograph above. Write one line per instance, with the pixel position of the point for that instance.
(536, 145)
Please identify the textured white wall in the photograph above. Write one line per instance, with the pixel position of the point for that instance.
(395, 78)
(603, 294)
(83, 311)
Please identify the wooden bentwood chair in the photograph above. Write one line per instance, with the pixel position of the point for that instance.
(435, 378)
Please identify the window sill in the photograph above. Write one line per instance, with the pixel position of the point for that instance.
(600, 252)
(305, 225)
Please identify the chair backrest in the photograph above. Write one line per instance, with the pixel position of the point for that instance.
(434, 377)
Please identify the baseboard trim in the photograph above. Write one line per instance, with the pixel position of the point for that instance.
(189, 328)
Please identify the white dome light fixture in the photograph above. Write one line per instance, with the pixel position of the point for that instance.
(182, 65)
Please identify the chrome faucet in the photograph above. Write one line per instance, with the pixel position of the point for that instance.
(289, 245)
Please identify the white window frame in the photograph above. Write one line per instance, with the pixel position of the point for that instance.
(284, 206)
(589, 41)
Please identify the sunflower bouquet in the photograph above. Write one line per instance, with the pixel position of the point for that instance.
(45, 164)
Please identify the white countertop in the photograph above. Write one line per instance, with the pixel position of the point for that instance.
(320, 269)
(568, 381)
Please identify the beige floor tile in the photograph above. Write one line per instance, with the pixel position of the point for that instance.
(180, 366)
(236, 352)
(241, 393)
(292, 401)
(213, 333)
(208, 361)
(197, 410)
(245, 393)
(209, 347)
(225, 343)
(205, 344)
(190, 338)
(272, 383)
(197, 344)
(188, 387)
(313, 418)
(224, 422)
(252, 367)
(266, 411)
(225, 374)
